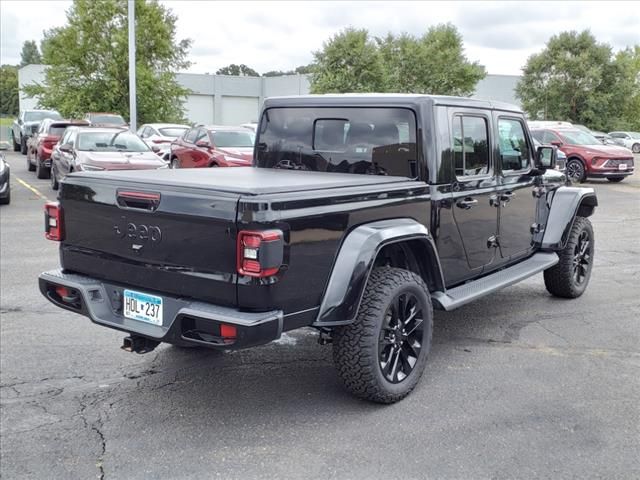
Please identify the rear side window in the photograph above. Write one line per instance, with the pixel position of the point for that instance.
(191, 135)
(514, 149)
(470, 146)
(378, 141)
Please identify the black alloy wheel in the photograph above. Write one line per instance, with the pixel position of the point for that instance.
(582, 258)
(401, 338)
(575, 171)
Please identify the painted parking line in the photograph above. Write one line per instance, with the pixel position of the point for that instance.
(31, 187)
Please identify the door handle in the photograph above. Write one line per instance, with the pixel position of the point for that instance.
(467, 203)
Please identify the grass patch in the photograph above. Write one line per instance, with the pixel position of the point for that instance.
(6, 121)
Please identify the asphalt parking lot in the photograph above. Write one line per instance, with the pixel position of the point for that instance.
(518, 385)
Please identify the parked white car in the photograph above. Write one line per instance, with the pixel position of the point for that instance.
(161, 135)
(631, 140)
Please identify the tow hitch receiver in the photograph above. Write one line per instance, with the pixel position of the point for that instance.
(138, 344)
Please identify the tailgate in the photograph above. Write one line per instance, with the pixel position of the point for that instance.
(159, 238)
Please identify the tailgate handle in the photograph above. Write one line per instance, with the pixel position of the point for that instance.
(138, 200)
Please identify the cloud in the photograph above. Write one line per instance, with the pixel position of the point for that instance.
(280, 35)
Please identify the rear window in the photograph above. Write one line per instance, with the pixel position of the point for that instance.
(379, 141)
(38, 116)
(57, 130)
(108, 119)
(172, 131)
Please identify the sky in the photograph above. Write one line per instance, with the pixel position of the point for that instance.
(282, 35)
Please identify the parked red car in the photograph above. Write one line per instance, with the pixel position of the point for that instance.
(40, 145)
(587, 157)
(213, 146)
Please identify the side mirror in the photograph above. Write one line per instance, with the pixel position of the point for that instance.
(66, 147)
(19, 121)
(155, 149)
(556, 143)
(203, 143)
(546, 158)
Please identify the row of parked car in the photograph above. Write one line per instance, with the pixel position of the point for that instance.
(101, 141)
(55, 146)
(588, 156)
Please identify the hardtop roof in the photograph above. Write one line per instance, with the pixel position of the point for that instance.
(386, 99)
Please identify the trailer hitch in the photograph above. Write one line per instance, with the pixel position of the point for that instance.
(139, 344)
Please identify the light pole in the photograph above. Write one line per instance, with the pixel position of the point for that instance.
(133, 118)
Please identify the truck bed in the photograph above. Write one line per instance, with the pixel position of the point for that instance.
(243, 181)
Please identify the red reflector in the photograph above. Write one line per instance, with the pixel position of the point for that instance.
(63, 292)
(53, 221)
(227, 331)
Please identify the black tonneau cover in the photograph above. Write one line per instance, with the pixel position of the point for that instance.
(243, 180)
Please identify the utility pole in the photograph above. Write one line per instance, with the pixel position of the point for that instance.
(133, 117)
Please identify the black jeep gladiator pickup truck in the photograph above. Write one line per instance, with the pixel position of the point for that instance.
(360, 215)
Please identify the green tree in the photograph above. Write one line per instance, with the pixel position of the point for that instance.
(628, 61)
(30, 54)
(348, 62)
(8, 90)
(88, 62)
(433, 63)
(575, 78)
(239, 70)
(301, 70)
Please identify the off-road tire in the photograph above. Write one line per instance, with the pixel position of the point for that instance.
(615, 179)
(559, 279)
(356, 346)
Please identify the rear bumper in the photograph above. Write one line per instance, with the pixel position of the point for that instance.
(185, 321)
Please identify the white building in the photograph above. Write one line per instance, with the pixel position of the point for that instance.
(231, 100)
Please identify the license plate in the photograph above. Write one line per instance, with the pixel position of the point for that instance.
(622, 166)
(143, 307)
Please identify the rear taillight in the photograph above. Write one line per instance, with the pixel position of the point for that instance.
(50, 140)
(53, 222)
(260, 253)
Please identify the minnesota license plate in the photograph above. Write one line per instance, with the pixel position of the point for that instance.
(143, 307)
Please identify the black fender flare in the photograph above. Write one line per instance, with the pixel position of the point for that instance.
(566, 204)
(355, 260)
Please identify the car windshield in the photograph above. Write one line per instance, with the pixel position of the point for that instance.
(577, 137)
(110, 119)
(174, 132)
(233, 139)
(111, 142)
(39, 116)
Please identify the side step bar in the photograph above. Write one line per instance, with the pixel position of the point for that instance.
(458, 296)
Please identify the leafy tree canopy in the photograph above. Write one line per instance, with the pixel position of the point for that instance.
(88, 62)
(239, 70)
(30, 54)
(434, 63)
(575, 78)
(349, 62)
(301, 70)
(9, 90)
